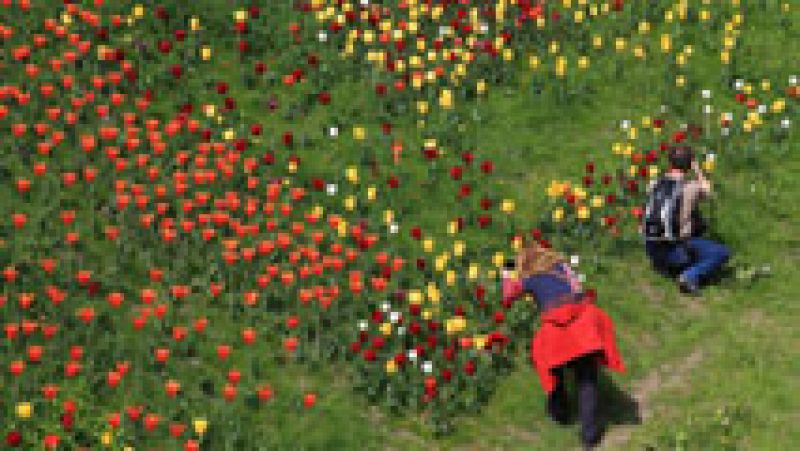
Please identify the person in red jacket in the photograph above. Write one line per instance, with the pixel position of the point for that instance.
(574, 335)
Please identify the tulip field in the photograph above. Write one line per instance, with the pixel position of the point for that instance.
(234, 225)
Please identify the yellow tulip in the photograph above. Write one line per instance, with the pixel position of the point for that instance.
(386, 328)
(433, 293)
(725, 57)
(597, 201)
(481, 86)
(507, 206)
(644, 27)
(372, 193)
(632, 132)
(583, 212)
(359, 133)
(427, 245)
(479, 341)
(350, 203)
(705, 15)
(240, 15)
(414, 297)
(427, 314)
(205, 53)
(639, 52)
(708, 165)
(106, 438)
(446, 99)
(138, 11)
(666, 42)
(668, 16)
(508, 54)
(24, 410)
(472, 273)
(439, 264)
(620, 44)
(578, 16)
(765, 85)
(458, 248)
(351, 173)
(533, 61)
(597, 41)
(646, 121)
(391, 367)
(561, 66)
(452, 227)
(292, 167)
(422, 107)
(680, 81)
(200, 426)
(583, 62)
(778, 106)
(653, 171)
(342, 229)
(194, 23)
(558, 214)
(450, 277)
(499, 259)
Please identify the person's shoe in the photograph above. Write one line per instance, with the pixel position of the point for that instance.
(688, 287)
(559, 413)
(591, 439)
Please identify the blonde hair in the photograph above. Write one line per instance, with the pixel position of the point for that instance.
(536, 259)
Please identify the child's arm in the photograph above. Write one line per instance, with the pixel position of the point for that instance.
(512, 287)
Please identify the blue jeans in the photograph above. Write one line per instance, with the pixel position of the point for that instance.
(696, 260)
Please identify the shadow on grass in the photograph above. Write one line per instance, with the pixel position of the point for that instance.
(615, 406)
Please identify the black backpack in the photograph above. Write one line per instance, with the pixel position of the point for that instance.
(662, 211)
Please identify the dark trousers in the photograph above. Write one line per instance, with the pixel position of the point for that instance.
(586, 370)
(695, 260)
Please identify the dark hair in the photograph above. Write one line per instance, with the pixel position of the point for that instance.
(681, 157)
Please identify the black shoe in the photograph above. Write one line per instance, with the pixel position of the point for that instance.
(688, 287)
(591, 439)
(558, 413)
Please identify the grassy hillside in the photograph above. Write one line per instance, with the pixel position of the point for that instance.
(168, 320)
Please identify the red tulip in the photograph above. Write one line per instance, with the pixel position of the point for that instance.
(249, 336)
(229, 392)
(309, 400)
(35, 353)
(172, 388)
(75, 353)
(151, 421)
(71, 369)
(161, 354)
(265, 393)
(51, 441)
(176, 429)
(113, 379)
(234, 376)
(17, 367)
(19, 220)
(13, 439)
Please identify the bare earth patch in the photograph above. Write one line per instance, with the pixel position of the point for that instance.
(666, 377)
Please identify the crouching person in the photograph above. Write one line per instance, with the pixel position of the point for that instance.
(575, 335)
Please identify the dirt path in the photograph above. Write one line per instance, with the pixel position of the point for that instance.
(666, 377)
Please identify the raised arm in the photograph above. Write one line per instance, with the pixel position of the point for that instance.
(512, 287)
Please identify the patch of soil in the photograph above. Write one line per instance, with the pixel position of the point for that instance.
(663, 378)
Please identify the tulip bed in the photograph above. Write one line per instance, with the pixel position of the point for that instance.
(211, 210)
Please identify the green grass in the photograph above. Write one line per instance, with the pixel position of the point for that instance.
(746, 335)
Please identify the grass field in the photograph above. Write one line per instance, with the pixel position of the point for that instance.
(714, 372)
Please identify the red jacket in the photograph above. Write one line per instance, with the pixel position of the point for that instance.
(568, 332)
